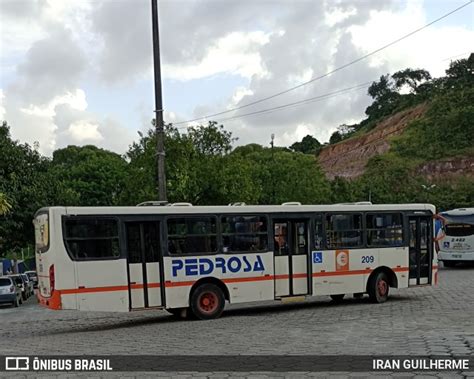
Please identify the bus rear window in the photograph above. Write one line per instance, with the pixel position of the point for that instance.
(459, 230)
(41, 224)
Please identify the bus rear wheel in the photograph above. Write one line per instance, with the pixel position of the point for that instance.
(207, 301)
(378, 288)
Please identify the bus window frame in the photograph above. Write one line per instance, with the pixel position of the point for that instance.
(366, 230)
(363, 230)
(187, 215)
(269, 233)
(64, 218)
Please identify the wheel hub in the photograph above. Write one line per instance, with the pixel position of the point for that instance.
(208, 302)
(382, 287)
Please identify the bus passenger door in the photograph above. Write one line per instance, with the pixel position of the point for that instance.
(420, 249)
(144, 273)
(291, 249)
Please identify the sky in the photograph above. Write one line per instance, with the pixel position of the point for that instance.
(78, 72)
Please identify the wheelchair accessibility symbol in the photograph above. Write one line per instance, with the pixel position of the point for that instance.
(317, 257)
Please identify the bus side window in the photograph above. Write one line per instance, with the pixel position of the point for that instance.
(318, 232)
(89, 238)
(190, 235)
(244, 233)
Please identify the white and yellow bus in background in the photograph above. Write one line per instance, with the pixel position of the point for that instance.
(192, 259)
(457, 245)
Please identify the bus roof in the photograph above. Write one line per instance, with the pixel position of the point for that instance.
(459, 212)
(189, 209)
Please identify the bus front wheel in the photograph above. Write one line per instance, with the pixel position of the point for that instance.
(379, 287)
(207, 301)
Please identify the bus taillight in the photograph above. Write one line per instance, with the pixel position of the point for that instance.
(51, 278)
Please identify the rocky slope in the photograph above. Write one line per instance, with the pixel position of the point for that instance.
(447, 169)
(348, 158)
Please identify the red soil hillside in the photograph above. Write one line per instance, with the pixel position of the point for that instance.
(348, 158)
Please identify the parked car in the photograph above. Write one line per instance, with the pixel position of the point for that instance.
(10, 292)
(21, 283)
(33, 276)
(31, 288)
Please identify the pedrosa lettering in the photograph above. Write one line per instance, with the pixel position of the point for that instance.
(206, 266)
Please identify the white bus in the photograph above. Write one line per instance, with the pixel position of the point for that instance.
(457, 245)
(190, 260)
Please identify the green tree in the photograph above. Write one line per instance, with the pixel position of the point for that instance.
(199, 167)
(335, 137)
(411, 78)
(4, 204)
(88, 176)
(308, 145)
(23, 181)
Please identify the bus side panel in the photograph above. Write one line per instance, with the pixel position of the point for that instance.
(102, 285)
(248, 277)
(340, 271)
(397, 259)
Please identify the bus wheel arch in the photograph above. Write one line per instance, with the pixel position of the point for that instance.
(379, 283)
(207, 298)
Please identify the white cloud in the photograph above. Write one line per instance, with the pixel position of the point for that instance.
(288, 138)
(85, 132)
(76, 99)
(53, 50)
(235, 53)
(425, 49)
(2, 107)
(338, 15)
(238, 95)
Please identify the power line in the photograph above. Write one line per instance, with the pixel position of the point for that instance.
(329, 72)
(296, 103)
(457, 55)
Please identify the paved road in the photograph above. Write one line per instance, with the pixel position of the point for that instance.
(422, 321)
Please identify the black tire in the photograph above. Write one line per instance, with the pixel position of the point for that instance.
(207, 301)
(379, 287)
(449, 263)
(337, 298)
(24, 297)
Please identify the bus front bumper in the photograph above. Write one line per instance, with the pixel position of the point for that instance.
(458, 256)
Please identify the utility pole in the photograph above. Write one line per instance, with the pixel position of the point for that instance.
(159, 124)
(273, 169)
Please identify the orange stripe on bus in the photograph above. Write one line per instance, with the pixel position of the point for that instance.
(107, 289)
(169, 284)
(355, 272)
